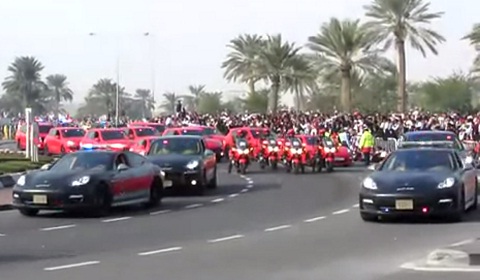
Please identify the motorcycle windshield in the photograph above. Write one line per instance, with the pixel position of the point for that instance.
(242, 145)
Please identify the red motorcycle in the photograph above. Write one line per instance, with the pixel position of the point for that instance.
(270, 154)
(239, 157)
(296, 157)
(327, 151)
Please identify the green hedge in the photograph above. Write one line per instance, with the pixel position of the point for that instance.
(12, 163)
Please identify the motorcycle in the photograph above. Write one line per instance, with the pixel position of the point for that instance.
(296, 157)
(270, 154)
(239, 157)
(328, 150)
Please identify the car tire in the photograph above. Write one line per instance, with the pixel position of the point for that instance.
(475, 199)
(62, 150)
(200, 188)
(28, 212)
(105, 203)
(156, 193)
(369, 217)
(45, 151)
(213, 183)
(457, 215)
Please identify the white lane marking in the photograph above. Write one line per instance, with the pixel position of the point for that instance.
(237, 236)
(314, 219)
(166, 250)
(57, 227)
(340, 212)
(116, 219)
(160, 212)
(217, 200)
(277, 228)
(464, 242)
(233, 195)
(70, 265)
(244, 190)
(249, 186)
(2, 235)
(355, 205)
(412, 266)
(191, 206)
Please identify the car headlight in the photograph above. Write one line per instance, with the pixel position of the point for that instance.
(21, 181)
(70, 143)
(330, 150)
(246, 151)
(81, 181)
(192, 165)
(448, 183)
(368, 183)
(296, 151)
(275, 149)
(162, 173)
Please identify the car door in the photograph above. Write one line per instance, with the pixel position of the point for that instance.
(120, 181)
(142, 175)
(468, 178)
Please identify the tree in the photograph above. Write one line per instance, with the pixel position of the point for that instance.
(24, 83)
(192, 101)
(241, 63)
(169, 103)
(210, 102)
(146, 101)
(101, 98)
(58, 88)
(474, 38)
(255, 102)
(340, 49)
(398, 21)
(279, 63)
(444, 94)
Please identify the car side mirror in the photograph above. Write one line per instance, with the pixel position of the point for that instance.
(122, 167)
(45, 166)
(209, 153)
(374, 166)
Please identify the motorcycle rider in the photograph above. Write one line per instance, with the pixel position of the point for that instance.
(367, 142)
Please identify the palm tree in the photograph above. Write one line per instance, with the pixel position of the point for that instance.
(241, 62)
(302, 80)
(278, 63)
(170, 102)
(58, 87)
(104, 93)
(192, 101)
(341, 49)
(395, 22)
(25, 80)
(474, 38)
(146, 99)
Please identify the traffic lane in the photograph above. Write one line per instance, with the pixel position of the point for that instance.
(251, 211)
(13, 223)
(337, 247)
(411, 275)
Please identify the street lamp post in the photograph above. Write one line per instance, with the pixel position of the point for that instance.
(117, 70)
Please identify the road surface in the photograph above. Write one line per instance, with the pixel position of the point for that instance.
(264, 225)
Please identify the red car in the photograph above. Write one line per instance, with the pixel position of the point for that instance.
(61, 140)
(105, 139)
(142, 146)
(157, 126)
(212, 144)
(138, 133)
(21, 135)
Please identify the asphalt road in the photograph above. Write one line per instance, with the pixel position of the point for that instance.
(265, 225)
(8, 144)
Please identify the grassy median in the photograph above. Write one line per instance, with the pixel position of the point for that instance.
(13, 163)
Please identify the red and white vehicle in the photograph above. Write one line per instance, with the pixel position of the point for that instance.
(61, 140)
(105, 139)
(142, 146)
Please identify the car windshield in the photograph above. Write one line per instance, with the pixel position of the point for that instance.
(176, 145)
(84, 161)
(311, 140)
(159, 127)
(209, 131)
(112, 135)
(44, 128)
(196, 132)
(142, 132)
(419, 160)
(67, 133)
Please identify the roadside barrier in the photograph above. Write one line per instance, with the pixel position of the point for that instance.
(388, 145)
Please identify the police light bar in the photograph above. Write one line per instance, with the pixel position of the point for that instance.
(406, 144)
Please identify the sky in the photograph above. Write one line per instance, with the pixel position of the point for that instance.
(188, 38)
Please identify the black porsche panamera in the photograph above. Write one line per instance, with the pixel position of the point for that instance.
(420, 181)
(90, 180)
